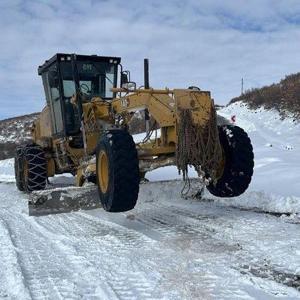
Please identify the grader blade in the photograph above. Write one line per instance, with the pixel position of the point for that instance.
(62, 200)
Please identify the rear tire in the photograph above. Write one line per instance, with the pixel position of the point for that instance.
(117, 169)
(19, 168)
(30, 168)
(239, 163)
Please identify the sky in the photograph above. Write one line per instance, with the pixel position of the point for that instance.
(211, 44)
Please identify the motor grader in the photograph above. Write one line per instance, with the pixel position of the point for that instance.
(84, 130)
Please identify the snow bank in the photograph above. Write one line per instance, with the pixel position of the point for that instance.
(262, 201)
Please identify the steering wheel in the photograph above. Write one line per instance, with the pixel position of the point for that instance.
(85, 89)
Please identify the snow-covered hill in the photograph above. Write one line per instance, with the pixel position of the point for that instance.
(167, 247)
(14, 131)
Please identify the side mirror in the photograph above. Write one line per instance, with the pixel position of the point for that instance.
(194, 88)
(130, 86)
(125, 81)
(124, 78)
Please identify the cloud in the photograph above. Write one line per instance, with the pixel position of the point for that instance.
(211, 44)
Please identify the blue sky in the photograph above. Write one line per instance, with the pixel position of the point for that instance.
(211, 44)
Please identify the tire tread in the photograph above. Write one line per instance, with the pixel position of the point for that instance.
(239, 163)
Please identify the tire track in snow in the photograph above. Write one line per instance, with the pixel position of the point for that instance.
(47, 267)
(11, 273)
(99, 259)
(75, 255)
(177, 223)
(268, 272)
(175, 218)
(105, 248)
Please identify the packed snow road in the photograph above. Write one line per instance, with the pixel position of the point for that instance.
(166, 248)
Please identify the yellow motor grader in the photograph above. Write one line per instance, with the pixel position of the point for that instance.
(83, 130)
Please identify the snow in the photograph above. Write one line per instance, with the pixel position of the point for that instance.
(7, 170)
(168, 247)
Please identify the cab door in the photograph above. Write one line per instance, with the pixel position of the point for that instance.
(52, 90)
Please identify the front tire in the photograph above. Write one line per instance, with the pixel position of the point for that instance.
(117, 169)
(239, 163)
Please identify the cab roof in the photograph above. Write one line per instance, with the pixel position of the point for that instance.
(68, 57)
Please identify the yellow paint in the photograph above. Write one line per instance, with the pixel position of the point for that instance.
(103, 171)
(163, 105)
(50, 167)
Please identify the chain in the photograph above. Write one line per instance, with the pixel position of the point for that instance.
(198, 146)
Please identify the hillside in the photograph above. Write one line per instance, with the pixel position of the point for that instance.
(13, 132)
(283, 96)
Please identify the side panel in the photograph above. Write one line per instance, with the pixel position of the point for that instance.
(41, 130)
(45, 123)
(198, 102)
(160, 106)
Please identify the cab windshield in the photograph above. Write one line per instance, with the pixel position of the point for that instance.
(95, 78)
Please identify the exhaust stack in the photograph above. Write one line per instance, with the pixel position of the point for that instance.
(146, 74)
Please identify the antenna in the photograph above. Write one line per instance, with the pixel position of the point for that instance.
(242, 86)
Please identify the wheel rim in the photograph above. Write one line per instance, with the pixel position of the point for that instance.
(103, 176)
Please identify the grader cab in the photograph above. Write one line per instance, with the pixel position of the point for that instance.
(83, 130)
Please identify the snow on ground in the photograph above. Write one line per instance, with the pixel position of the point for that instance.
(167, 247)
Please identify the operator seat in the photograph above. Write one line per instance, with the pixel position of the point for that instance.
(73, 124)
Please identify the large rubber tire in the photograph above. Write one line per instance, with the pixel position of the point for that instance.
(19, 168)
(239, 163)
(31, 168)
(118, 182)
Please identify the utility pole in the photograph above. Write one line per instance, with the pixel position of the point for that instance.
(242, 86)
